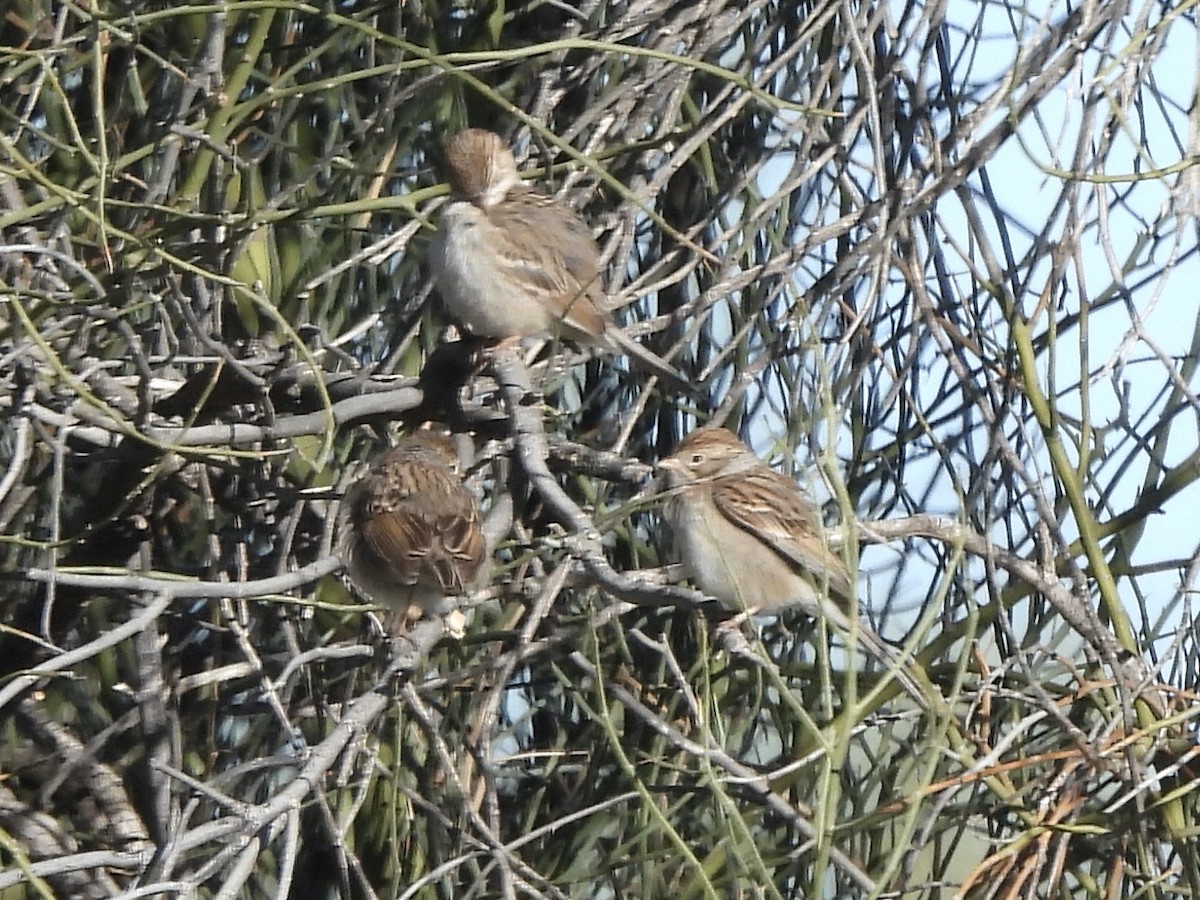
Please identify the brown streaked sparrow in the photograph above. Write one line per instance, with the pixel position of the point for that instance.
(510, 262)
(414, 535)
(751, 538)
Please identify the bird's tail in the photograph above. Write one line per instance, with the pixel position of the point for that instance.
(903, 670)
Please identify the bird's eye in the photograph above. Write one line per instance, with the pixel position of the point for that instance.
(697, 458)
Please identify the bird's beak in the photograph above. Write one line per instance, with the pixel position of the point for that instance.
(670, 464)
(667, 475)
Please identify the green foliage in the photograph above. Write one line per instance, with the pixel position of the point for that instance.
(213, 228)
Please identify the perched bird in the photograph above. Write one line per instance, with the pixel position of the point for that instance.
(414, 534)
(751, 538)
(510, 262)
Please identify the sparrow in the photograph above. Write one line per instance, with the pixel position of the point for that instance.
(414, 535)
(751, 538)
(510, 262)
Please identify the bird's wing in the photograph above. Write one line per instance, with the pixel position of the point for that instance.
(430, 533)
(553, 253)
(463, 547)
(772, 507)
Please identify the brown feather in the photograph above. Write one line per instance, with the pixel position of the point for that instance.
(772, 508)
(512, 262)
(556, 255)
(416, 534)
(750, 537)
(760, 501)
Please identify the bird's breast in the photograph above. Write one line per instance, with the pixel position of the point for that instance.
(478, 281)
(732, 565)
